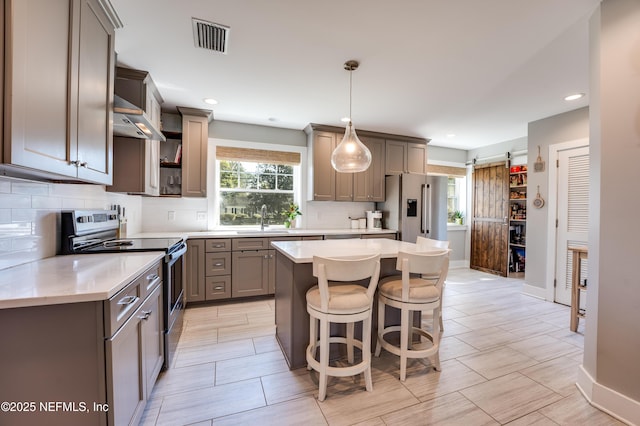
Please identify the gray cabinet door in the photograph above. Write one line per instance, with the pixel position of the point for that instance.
(195, 137)
(125, 376)
(395, 157)
(416, 158)
(40, 32)
(324, 176)
(195, 270)
(153, 338)
(250, 276)
(369, 185)
(95, 94)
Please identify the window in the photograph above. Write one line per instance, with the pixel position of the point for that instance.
(455, 198)
(249, 179)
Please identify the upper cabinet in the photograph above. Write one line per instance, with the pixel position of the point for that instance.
(183, 158)
(58, 90)
(325, 184)
(405, 157)
(136, 168)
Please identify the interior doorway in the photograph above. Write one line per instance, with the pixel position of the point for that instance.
(489, 223)
(569, 210)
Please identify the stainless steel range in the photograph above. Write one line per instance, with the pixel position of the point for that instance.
(96, 231)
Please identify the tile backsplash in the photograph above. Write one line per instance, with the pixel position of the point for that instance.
(29, 215)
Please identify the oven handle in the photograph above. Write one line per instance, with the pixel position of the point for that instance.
(176, 254)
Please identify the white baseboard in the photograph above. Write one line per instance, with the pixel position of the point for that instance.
(533, 291)
(611, 402)
(458, 264)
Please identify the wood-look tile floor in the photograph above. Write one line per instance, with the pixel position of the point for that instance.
(506, 358)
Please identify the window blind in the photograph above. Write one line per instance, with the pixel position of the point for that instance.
(257, 155)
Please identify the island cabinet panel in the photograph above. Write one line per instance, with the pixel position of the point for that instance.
(70, 95)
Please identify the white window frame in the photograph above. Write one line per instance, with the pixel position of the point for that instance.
(213, 175)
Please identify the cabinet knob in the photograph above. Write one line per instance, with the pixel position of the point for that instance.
(145, 315)
(83, 164)
(74, 163)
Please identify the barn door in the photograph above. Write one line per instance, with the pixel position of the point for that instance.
(489, 226)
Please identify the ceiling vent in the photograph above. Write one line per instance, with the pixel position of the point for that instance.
(210, 36)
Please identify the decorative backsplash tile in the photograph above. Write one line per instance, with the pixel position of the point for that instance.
(29, 215)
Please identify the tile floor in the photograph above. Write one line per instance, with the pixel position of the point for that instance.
(506, 358)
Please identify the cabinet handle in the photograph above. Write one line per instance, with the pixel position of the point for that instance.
(145, 315)
(218, 287)
(128, 300)
(152, 277)
(266, 256)
(218, 264)
(270, 256)
(218, 245)
(83, 164)
(74, 163)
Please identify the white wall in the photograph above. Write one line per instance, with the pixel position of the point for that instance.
(610, 374)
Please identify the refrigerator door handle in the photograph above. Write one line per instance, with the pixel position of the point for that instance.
(425, 204)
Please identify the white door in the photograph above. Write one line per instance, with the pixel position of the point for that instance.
(572, 216)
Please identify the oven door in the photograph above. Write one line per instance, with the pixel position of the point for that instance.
(174, 301)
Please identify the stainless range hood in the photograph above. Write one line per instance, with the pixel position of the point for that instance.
(130, 120)
(131, 98)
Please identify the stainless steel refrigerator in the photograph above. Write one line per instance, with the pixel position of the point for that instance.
(415, 205)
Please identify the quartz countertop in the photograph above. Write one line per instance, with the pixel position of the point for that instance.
(72, 278)
(303, 251)
(268, 232)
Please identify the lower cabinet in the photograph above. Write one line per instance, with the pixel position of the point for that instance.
(100, 358)
(250, 272)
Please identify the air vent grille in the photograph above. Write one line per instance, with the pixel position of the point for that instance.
(210, 36)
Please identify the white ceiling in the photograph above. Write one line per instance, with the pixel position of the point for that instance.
(479, 69)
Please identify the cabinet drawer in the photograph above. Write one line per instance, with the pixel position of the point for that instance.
(218, 244)
(150, 279)
(121, 306)
(250, 244)
(218, 287)
(217, 264)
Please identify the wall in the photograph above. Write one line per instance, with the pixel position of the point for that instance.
(543, 133)
(610, 372)
(29, 216)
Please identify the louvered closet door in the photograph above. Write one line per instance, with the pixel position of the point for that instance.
(572, 216)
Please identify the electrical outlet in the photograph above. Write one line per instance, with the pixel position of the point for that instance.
(171, 215)
(201, 216)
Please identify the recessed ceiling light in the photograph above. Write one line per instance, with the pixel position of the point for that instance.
(210, 101)
(574, 97)
(451, 135)
(345, 119)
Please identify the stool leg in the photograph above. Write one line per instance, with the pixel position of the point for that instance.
(404, 342)
(313, 338)
(366, 352)
(437, 335)
(350, 329)
(380, 326)
(324, 359)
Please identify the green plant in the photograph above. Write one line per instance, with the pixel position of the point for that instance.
(291, 214)
(457, 216)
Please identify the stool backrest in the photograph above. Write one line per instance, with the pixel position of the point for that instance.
(346, 270)
(431, 243)
(432, 265)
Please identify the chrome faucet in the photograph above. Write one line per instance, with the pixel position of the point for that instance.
(263, 213)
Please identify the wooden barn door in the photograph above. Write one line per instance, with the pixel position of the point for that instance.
(489, 225)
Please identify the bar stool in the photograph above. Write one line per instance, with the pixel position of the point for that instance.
(410, 295)
(341, 303)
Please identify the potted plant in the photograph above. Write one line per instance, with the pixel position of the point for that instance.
(291, 214)
(457, 217)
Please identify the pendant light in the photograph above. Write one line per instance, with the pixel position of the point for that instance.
(351, 155)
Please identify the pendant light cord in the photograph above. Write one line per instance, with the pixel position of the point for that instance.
(350, 91)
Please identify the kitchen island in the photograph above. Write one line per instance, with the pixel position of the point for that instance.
(294, 276)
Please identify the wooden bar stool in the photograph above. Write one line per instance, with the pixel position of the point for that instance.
(341, 303)
(410, 295)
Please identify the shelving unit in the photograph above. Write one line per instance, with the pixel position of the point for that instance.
(170, 169)
(517, 220)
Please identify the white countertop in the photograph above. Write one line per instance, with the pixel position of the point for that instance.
(303, 251)
(72, 278)
(269, 232)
